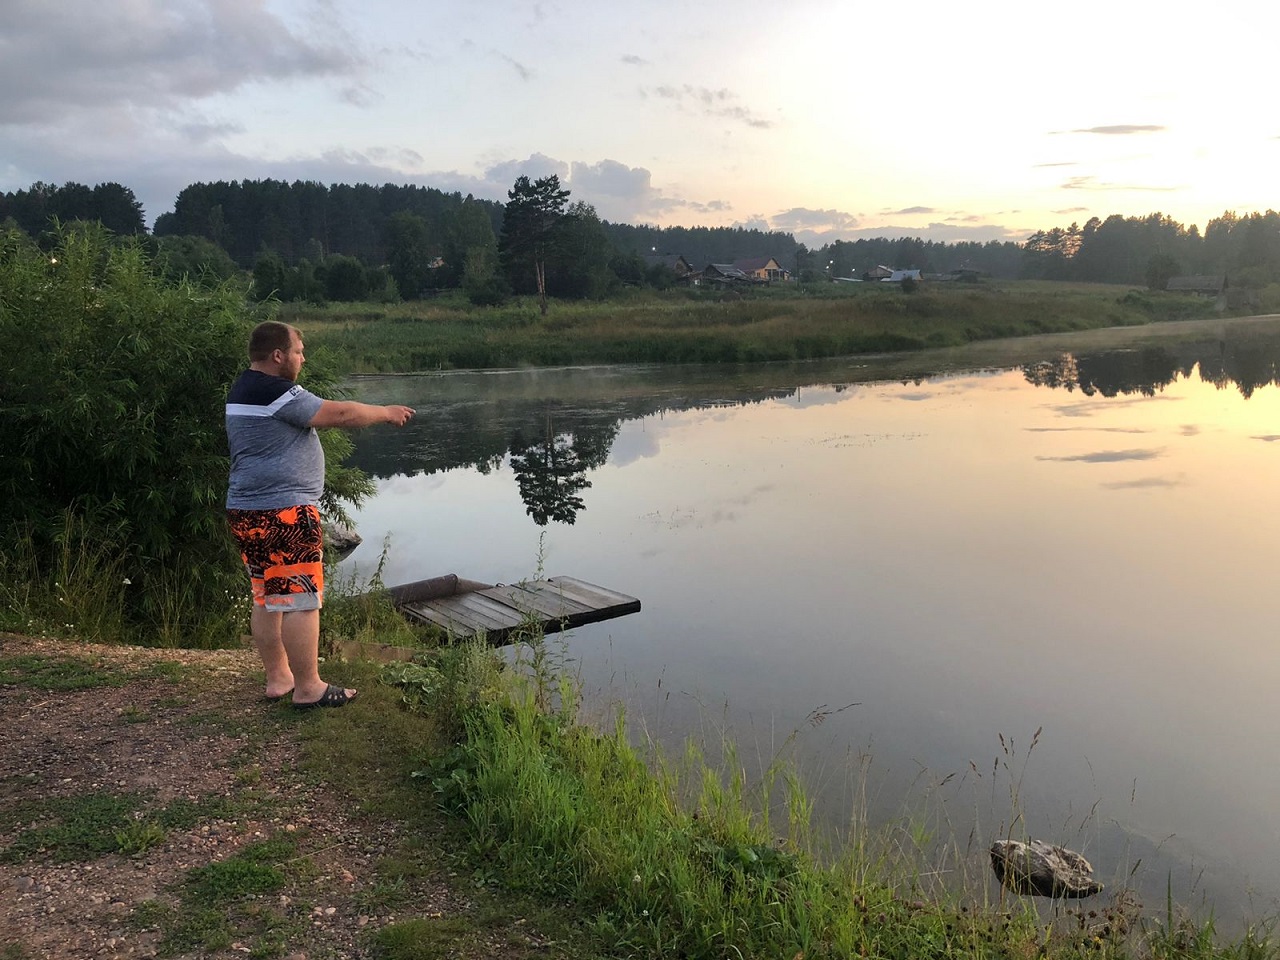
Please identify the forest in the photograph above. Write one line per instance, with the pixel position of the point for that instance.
(311, 242)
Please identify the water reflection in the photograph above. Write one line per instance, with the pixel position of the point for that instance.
(558, 426)
(552, 470)
(1244, 360)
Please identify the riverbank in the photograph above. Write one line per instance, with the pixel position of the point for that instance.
(153, 805)
(156, 806)
(693, 326)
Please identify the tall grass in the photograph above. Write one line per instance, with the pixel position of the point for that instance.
(695, 326)
(81, 585)
(680, 857)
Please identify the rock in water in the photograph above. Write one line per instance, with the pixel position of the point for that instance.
(1040, 869)
(340, 538)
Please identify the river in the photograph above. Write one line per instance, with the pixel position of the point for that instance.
(1020, 587)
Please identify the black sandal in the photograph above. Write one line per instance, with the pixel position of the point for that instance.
(333, 696)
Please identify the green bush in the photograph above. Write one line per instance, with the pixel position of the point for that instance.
(113, 384)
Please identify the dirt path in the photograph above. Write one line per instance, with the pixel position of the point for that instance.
(197, 770)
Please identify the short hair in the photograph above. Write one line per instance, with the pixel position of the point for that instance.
(268, 337)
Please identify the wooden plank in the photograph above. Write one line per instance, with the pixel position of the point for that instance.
(528, 600)
(548, 594)
(598, 597)
(497, 611)
(483, 610)
(425, 613)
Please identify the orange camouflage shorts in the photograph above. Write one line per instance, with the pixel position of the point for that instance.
(283, 551)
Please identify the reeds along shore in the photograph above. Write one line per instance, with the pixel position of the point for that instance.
(709, 327)
(679, 857)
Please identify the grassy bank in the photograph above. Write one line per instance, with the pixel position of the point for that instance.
(677, 857)
(695, 326)
(459, 808)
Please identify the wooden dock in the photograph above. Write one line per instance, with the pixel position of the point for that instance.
(468, 608)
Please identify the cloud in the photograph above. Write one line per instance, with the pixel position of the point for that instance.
(632, 60)
(536, 166)
(943, 231)
(1120, 129)
(1066, 210)
(803, 218)
(1093, 183)
(1107, 456)
(1064, 163)
(712, 103)
(1086, 430)
(1146, 483)
(82, 56)
(909, 211)
(611, 178)
(525, 73)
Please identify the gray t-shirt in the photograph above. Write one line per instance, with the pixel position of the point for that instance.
(276, 457)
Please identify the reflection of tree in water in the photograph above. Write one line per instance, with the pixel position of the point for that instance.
(552, 470)
(1248, 363)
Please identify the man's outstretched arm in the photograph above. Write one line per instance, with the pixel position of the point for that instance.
(351, 415)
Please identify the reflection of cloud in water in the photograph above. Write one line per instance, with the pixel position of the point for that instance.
(1089, 408)
(1107, 456)
(1268, 438)
(1146, 483)
(806, 397)
(1087, 429)
(635, 442)
(415, 484)
(916, 397)
(672, 520)
(749, 497)
(863, 439)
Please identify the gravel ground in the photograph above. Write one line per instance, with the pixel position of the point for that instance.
(205, 736)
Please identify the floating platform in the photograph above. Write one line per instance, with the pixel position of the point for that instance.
(467, 608)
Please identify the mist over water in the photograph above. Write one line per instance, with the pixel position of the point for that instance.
(1066, 535)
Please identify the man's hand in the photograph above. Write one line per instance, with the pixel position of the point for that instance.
(398, 416)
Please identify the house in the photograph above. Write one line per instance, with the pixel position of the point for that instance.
(765, 269)
(676, 263)
(897, 276)
(1205, 285)
(880, 272)
(725, 274)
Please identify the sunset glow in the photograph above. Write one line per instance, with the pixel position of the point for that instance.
(832, 121)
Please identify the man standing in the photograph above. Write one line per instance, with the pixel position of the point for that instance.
(277, 477)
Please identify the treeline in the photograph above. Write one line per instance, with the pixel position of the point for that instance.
(111, 204)
(1151, 249)
(305, 240)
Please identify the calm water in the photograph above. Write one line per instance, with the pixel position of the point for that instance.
(1070, 535)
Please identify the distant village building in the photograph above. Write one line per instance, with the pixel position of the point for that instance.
(676, 263)
(897, 276)
(879, 272)
(1203, 285)
(724, 274)
(765, 269)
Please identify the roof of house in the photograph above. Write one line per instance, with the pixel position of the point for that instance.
(671, 260)
(756, 263)
(727, 270)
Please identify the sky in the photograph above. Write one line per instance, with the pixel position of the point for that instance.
(829, 119)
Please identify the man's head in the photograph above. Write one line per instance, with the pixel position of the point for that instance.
(276, 348)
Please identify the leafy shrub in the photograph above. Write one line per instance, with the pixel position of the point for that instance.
(113, 384)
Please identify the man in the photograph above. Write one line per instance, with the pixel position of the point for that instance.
(277, 476)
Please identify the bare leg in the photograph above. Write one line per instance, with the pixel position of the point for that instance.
(265, 626)
(300, 635)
